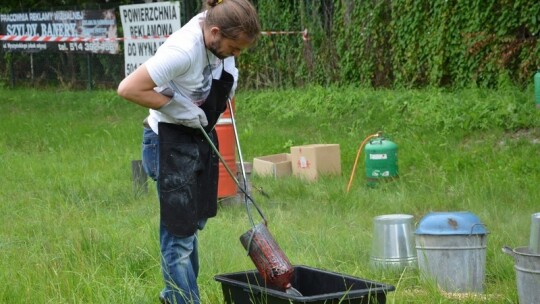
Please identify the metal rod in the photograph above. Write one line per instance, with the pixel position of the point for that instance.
(240, 155)
(239, 150)
(233, 120)
(228, 169)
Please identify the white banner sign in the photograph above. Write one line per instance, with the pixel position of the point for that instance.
(146, 27)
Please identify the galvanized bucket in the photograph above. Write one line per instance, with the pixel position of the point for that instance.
(527, 266)
(393, 242)
(451, 249)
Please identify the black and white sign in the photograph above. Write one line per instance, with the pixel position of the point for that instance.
(146, 26)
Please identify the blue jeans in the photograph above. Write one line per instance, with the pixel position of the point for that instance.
(179, 255)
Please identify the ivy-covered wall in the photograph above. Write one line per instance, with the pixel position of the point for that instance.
(379, 43)
(403, 43)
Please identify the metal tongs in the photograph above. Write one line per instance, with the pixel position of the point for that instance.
(247, 197)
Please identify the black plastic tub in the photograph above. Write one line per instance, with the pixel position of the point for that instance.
(315, 285)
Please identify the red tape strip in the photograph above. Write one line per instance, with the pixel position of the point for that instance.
(90, 39)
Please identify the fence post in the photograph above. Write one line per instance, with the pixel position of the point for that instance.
(139, 177)
(11, 71)
(89, 68)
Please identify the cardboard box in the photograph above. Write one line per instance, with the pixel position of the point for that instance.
(276, 165)
(312, 161)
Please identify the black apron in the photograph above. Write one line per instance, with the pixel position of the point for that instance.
(189, 168)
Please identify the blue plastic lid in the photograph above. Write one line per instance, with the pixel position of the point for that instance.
(450, 223)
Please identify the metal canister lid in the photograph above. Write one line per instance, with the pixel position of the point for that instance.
(450, 223)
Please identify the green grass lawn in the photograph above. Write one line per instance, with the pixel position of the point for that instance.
(72, 230)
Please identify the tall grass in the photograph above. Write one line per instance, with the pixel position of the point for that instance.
(73, 231)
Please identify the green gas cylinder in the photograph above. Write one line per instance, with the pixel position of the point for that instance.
(537, 89)
(381, 160)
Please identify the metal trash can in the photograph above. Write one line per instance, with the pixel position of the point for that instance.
(527, 268)
(451, 249)
(534, 241)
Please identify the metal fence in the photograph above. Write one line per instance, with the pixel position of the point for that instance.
(73, 70)
(67, 70)
(278, 59)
